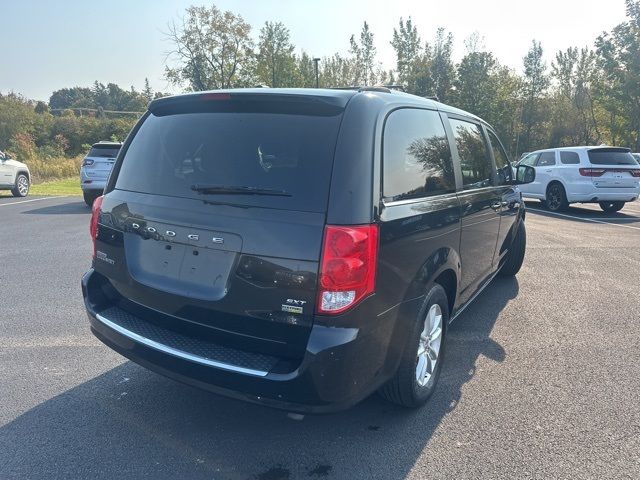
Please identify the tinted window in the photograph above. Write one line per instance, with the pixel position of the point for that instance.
(546, 159)
(611, 156)
(569, 158)
(106, 152)
(503, 166)
(416, 158)
(291, 153)
(529, 159)
(474, 158)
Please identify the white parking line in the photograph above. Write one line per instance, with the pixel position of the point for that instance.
(32, 200)
(582, 218)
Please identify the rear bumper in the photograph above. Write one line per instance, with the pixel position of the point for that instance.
(93, 186)
(587, 194)
(341, 366)
(91, 182)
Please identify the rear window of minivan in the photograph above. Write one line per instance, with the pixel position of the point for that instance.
(611, 156)
(289, 153)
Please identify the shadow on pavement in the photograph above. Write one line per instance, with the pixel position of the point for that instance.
(131, 423)
(583, 214)
(73, 208)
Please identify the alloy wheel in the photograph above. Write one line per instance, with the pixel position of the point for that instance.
(429, 345)
(23, 185)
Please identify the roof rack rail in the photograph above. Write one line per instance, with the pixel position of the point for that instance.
(372, 88)
(432, 97)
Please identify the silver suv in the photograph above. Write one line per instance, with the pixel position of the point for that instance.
(14, 176)
(96, 168)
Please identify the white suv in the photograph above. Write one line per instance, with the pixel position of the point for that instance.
(609, 176)
(14, 176)
(95, 169)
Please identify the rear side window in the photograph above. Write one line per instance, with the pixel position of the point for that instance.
(288, 154)
(105, 152)
(569, 158)
(416, 155)
(474, 157)
(611, 156)
(546, 159)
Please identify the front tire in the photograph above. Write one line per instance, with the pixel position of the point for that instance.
(417, 375)
(611, 207)
(556, 198)
(515, 255)
(22, 186)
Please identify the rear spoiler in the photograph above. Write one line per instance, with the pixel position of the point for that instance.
(249, 102)
(610, 149)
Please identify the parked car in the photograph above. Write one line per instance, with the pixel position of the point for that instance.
(609, 176)
(95, 169)
(14, 176)
(300, 248)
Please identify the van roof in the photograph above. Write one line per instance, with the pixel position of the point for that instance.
(338, 97)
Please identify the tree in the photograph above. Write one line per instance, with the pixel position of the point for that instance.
(413, 61)
(305, 74)
(71, 97)
(407, 45)
(364, 57)
(619, 58)
(275, 59)
(574, 111)
(535, 84)
(475, 83)
(336, 71)
(442, 68)
(212, 49)
(147, 92)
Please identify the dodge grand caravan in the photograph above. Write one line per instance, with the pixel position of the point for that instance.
(300, 248)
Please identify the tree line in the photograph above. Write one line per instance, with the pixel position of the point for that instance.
(588, 95)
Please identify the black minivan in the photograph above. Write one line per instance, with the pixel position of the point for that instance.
(300, 248)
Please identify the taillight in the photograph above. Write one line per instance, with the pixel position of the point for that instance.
(93, 226)
(592, 172)
(347, 267)
(87, 161)
(635, 173)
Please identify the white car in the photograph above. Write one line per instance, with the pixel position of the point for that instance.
(14, 176)
(609, 176)
(95, 169)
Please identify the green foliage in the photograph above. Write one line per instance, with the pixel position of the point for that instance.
(212, 49)
(619, 59)
(276, 60)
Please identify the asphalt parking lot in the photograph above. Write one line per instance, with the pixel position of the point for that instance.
(541, 379)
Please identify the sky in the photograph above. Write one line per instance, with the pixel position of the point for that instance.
(48, 45)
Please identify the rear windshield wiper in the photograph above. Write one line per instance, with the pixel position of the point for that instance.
(237, 190)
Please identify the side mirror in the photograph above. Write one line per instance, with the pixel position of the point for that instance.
(524, 174)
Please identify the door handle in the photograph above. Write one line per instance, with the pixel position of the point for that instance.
(548, 171)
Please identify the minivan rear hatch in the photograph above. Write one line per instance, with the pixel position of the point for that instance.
(215, 221)
(613, 168)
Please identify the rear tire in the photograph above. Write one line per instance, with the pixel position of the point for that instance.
(515, 255)
(405, 388)
(611, 207)
(22, 185)
(89, 198)
(556, 198)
